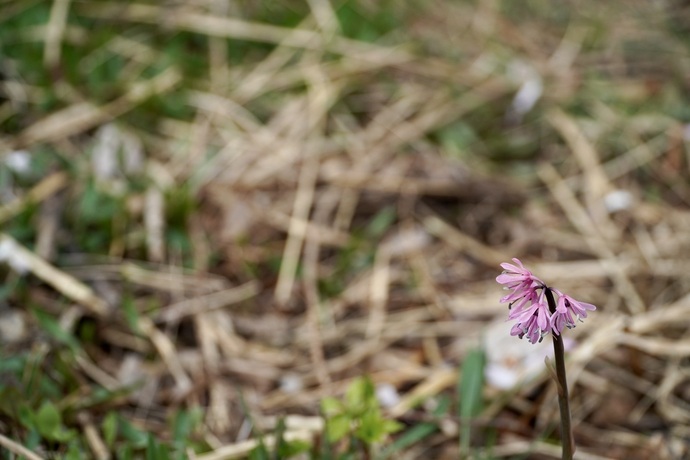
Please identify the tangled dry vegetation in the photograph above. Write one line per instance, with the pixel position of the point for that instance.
(240, 209)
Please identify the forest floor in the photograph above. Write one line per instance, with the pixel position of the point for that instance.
(272, 229)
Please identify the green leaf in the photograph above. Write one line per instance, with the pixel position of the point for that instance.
(391, 426)
(472, 383)
(456, 138)
(279, 434)
(470, 389)
(74, 452)
(110, 424)
(331, 406)
(32, 440)
(369, 24)
(132, 434)
(131, 314)
(374, 428)
(337, 427)
(151, 448)
(370, 429)
(26, 416)
(412, 436)
(260, 452)
(96, 206)
(184, 423)
(155, 450)
(360, 394)
(13, 364)
(381, 222)
(52, 327)
(49, 423)
(48, 420)
(442, 405)
(126, 452)
(284, 448)
(292, 448)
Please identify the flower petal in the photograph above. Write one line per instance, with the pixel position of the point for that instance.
(528, 306)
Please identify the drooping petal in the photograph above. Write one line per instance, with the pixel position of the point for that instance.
(513, 296)
(543, 317)
(529, 308)
(516, 329)
(511, 268)
(581, 308)
(518, 268)
(518, 262)
(524, 315)
(561, 306)
(588, 306)
(509, 278)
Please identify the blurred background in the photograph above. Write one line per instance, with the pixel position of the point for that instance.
(217, 217)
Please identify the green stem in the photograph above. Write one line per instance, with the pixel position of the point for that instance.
(563, 400)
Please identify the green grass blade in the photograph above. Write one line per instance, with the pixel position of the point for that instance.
(470, 394)
(410, 437)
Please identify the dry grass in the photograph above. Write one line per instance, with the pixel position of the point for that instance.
(345, 205)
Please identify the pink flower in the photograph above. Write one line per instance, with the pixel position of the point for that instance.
(530, 329)
(517, 278)
(529, 304)
(532, 316)
(565, 308)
